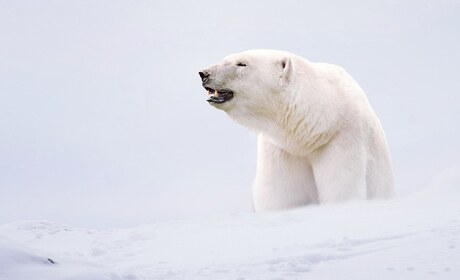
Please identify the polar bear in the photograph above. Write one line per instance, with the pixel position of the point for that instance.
(319, 140)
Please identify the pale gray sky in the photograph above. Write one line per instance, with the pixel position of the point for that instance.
(103, 121)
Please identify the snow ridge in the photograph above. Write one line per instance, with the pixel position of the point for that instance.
(415, 237)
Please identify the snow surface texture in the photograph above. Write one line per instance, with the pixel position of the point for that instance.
(416, 237)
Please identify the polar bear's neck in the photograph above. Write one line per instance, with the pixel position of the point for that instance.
(298, 129)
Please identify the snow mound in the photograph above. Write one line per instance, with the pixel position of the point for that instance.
(415, 237)
(11, 254)
(21, 263)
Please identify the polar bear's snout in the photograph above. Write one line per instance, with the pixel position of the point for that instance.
(208, 74)
(204, 75)
(217, 94)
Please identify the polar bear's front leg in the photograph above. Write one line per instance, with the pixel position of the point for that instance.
(340, 169)
(282, 181)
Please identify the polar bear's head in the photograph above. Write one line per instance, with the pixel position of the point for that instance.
(248, 83)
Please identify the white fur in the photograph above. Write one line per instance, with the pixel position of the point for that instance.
(319, 139)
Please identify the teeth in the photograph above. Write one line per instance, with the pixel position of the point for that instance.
(213, 94)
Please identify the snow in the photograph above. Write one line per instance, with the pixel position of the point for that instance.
(414, 237)
(19, 262)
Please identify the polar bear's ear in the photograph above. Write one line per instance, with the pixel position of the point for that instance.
(286, 65)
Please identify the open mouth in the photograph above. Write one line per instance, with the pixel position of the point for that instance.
(219, 97)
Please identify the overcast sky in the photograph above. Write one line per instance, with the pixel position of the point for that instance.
(103, 121)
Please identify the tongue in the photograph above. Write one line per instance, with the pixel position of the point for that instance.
(216, 98)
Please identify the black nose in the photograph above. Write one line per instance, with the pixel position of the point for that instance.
(204, 75)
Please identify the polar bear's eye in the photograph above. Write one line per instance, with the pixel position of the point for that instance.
(241, 64)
